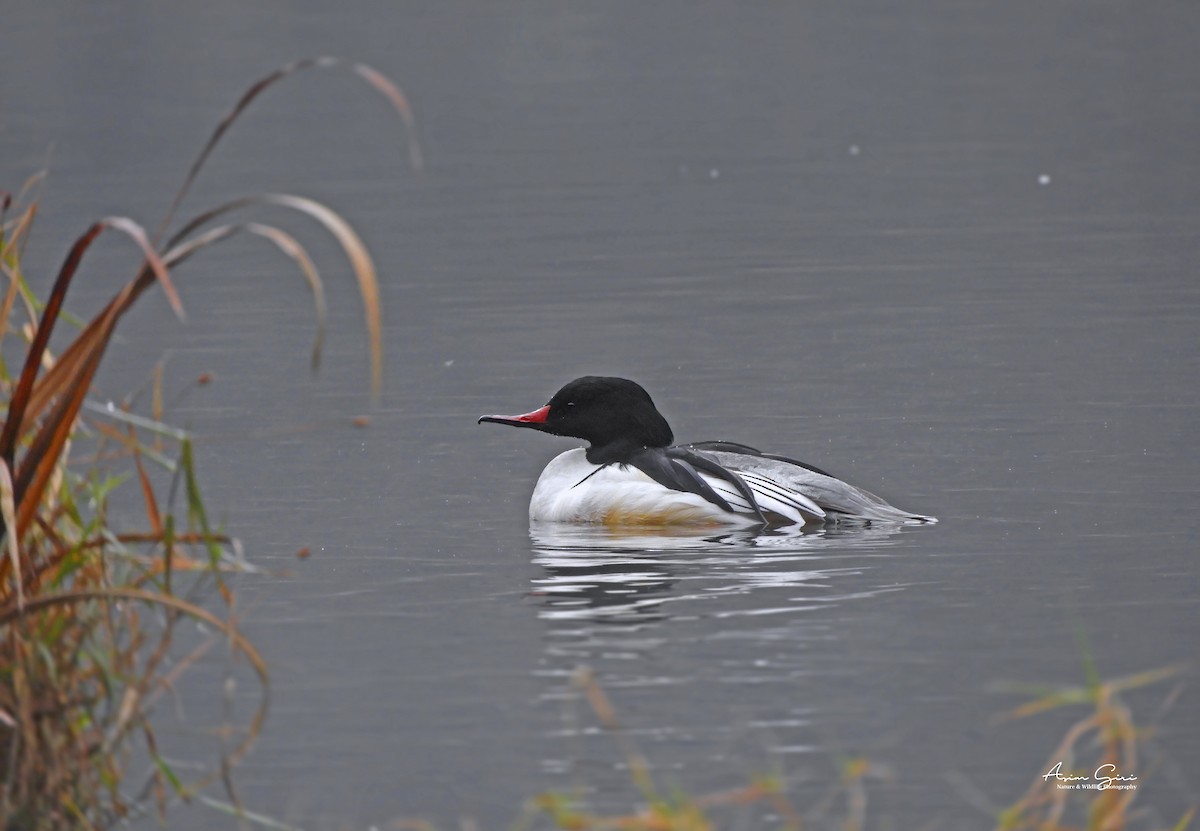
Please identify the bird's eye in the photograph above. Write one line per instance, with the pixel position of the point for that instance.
(570, 403)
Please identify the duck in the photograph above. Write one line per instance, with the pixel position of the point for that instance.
(632, 474)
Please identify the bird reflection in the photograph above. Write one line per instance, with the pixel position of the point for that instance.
(628, 576)
(657, 616)
(603, 591)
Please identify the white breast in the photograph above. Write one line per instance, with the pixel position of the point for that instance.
(572, 489)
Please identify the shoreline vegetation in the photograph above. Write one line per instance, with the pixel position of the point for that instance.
(97, 626)
(1090, 781)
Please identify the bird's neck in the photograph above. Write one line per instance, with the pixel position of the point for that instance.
(617, 451)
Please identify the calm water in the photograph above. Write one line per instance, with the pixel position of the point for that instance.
(947, 253)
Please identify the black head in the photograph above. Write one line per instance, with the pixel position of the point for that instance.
(615, 415)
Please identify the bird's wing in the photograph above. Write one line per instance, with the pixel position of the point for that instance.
(740, 492)
(837, 498)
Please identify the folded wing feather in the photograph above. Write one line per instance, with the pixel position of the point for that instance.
(837, 498)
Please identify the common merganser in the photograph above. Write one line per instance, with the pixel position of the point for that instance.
(631, 474)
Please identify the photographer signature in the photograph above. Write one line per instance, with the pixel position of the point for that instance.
(1105, 777)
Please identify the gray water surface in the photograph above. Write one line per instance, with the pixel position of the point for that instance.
(945, 251)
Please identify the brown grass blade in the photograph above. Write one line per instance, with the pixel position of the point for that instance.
(67, 365)
(10, 297)
(364, 271)
(222, 126)
(15, 233)
(42, 458)
(352, 245)
(282, 240)
(290, 246)
(20, 229)
(21, 225)
(152, 514)
(11, 247)
(138, 235)
(10, 262)
(94, 337)
(375, 78)
(9, 512)
(91, 339)
(33, 359)
(27, 193)
(400, 103)
(20, 413)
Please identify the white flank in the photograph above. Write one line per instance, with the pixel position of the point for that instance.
(572, 489)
